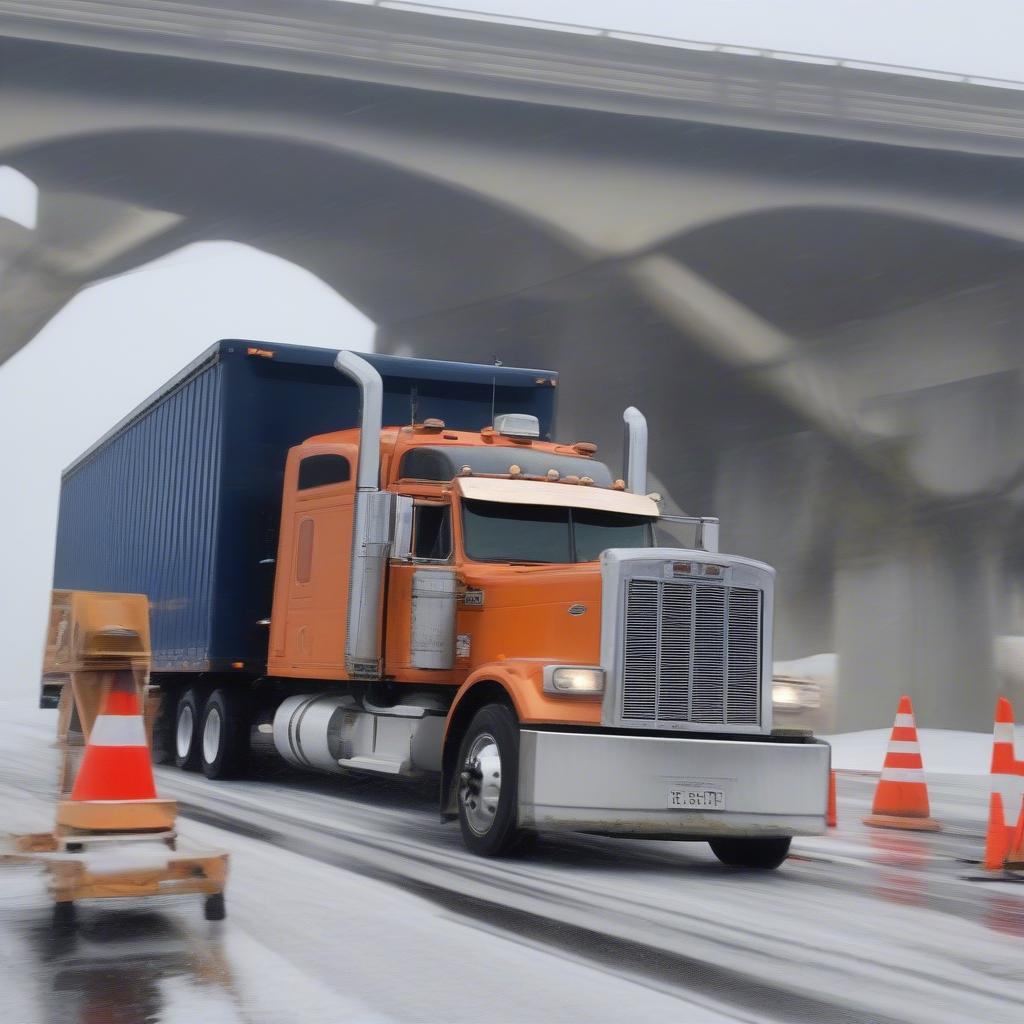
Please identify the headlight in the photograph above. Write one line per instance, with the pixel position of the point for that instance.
(791, 696)
(568, 680)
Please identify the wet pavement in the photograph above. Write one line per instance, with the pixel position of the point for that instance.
(348, 900)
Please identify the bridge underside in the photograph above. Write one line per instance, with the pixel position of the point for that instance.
(824, 333)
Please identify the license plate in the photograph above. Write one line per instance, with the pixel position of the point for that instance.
(696, 798)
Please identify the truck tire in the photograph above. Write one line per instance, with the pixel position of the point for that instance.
(187, 717)
(487, 782)
(224, 738)
(762, 854)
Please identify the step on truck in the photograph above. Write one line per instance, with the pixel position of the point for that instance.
(388, 565)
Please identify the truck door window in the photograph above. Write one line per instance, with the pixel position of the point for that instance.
(432, 532)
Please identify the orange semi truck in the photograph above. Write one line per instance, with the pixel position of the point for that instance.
(450, 594)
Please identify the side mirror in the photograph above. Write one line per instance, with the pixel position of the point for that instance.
(401, 528)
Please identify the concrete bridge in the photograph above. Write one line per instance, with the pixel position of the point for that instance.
(807, 273)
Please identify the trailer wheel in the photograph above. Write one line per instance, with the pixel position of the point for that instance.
(214, 908)
(763, 854)
(186, 730)
(488, 781)
(224, 740)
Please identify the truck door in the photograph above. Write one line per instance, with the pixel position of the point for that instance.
(431, 549)
(311, 583)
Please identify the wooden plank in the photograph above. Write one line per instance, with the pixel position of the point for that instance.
(117, 815)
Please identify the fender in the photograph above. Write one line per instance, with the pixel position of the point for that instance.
(521, 681)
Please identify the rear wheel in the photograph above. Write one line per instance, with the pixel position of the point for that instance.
(488, 782)
(186, 730)
(764, 854)
(224, 743)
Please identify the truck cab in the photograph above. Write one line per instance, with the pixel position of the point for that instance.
(492, 606)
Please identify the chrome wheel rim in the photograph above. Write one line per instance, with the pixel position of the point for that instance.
(183, 735)
(480, 783)
(211, 735)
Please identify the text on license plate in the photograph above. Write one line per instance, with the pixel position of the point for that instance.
(696, 798)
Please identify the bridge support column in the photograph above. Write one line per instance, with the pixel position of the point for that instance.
(916, 612)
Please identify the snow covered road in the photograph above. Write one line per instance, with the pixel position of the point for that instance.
(348, 900)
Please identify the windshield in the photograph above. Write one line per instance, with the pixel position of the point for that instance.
(495, 532)
(444, 463)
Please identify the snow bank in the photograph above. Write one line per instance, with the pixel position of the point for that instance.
(944, 751)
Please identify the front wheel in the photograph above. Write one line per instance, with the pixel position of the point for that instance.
(488, 782)
(762, 854)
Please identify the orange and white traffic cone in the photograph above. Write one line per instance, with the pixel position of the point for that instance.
(1006, 787)
(901, 799)
(114, 789)
(997, 837)
(831, 819)
(1014, 859)
(1004, 759)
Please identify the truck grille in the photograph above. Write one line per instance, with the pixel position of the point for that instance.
(692, 653)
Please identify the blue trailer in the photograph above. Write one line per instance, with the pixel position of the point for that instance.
(181, 500)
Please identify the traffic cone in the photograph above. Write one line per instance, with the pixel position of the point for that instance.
(114, 789)
(1014, 859)
(997, 838)
(831, 819)
(901, 799)
(1004, 760)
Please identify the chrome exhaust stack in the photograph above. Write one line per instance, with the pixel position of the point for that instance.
(370, 527)
(635, 451)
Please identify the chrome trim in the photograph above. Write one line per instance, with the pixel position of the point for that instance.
(706, 529)
(480, 783)
(401, 532)
(621, 565)
(371, 526)
(619, 785)
(371, 393)
(435, 596)
(634, 461)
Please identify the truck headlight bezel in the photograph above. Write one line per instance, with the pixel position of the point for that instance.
(574, 680)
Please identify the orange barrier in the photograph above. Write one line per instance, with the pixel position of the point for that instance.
(114, 788)
(832, 818)
(901, 799)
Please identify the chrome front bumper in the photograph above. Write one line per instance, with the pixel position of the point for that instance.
(620, 785)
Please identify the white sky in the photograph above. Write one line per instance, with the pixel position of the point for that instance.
(982, 37)
(108, 349)
(119, 341)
